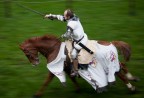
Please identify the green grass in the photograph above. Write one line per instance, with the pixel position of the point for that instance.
(102, 20)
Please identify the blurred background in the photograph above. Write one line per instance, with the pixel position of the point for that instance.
(102, 20)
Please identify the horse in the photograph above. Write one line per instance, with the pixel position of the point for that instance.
(49, 46)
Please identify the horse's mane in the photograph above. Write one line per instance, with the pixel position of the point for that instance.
(48, 37)
(40, 38)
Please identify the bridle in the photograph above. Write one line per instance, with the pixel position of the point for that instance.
(30, 54)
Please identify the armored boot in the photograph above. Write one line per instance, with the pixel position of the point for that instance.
(74, 71)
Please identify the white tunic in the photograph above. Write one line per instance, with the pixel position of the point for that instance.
(77, 31)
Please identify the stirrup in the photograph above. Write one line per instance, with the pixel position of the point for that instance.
(74, 73)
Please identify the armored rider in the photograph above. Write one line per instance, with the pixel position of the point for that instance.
(75, 32)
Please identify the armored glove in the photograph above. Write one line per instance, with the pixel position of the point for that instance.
(51, 16)
(63, 36)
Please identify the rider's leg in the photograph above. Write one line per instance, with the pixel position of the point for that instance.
(74, 62)
(75, 51)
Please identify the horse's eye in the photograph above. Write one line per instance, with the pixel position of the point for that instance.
(24, 50)
(27, 55)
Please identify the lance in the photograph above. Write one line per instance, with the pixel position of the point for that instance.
(34, 11)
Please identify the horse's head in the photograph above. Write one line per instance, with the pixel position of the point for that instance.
(30, 51)
(44, 45)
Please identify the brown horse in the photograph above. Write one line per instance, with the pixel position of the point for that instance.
(49, 46)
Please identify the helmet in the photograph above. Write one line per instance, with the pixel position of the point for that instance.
(68, 13)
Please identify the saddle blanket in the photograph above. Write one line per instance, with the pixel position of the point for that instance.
(102, 72)
(57, 65)
(83, 57)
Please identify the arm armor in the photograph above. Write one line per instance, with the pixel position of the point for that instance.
(68, 33)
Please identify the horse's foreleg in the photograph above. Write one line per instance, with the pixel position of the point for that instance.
(68, 72)
(128, 75)
(47, 81)
(125, 80)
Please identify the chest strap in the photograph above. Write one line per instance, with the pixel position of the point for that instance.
(77, 41)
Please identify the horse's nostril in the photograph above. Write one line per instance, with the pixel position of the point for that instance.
(37, 59)
(37, 63)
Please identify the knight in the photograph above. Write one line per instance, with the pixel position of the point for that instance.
(75, 33)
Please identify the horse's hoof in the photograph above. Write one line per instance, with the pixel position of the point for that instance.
(133, 90)
(64, 84)
(111, 84)
(101, 90)
(36, 96)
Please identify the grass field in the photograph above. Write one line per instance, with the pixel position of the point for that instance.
(101, 19)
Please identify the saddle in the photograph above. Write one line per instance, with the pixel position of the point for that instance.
(83, 56)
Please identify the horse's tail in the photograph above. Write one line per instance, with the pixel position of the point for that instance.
(124, 49)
